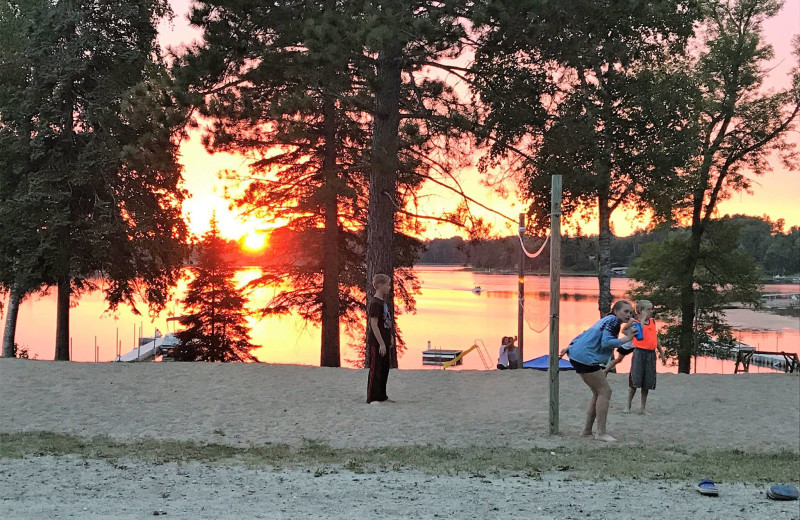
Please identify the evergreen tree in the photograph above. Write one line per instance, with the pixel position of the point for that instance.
(302, 103)
(288, 101)
(216, 318)
(94, 181)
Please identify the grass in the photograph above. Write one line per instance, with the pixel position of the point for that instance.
(594, 463)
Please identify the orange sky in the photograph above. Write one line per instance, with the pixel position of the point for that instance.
(775, 194)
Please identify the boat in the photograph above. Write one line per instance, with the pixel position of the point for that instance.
(477, 289)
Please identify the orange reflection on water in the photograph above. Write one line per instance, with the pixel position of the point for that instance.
(449, 315)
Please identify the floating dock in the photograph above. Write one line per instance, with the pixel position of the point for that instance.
(440, 357)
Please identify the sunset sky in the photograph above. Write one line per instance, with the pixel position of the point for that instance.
(776, 194)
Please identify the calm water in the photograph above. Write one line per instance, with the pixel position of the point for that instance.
(450, 315)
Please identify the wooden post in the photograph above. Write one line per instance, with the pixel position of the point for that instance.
(555, 296)
(521, 289)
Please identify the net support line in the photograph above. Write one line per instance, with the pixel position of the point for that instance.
(537, 253)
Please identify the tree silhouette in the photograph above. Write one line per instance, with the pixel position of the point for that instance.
(216, 328)
(89, 177)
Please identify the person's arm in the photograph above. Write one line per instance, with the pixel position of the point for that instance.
(563, 351)
(662, 353)
(373, 322)
(610, 340)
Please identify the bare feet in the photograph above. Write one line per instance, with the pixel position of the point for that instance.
(626, 410)
(604, 437)
(587, 434)
(644, 412)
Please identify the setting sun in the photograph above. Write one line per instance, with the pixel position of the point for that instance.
(254, 241)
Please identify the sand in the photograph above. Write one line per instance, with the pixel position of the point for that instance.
(255, 404)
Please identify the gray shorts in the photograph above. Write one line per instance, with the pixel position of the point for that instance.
(643, 369)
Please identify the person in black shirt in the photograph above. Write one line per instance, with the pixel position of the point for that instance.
(379, 339)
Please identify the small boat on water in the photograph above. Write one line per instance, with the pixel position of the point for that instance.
(477, 289)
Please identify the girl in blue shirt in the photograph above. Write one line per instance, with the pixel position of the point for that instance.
(588, 352)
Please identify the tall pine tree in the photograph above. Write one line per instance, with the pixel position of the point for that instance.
(95, 180)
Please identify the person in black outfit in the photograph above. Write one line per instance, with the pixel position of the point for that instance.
(379, 339)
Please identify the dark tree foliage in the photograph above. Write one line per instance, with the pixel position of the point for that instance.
(725, 275)
(775, 252)
(215, 316)
(569, 91)
(91, 182)
(739, 125)
(293, 86)
(276, 84)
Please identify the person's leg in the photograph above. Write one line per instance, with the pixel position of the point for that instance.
(631, 393)
(643, 411)
(382, 375)
(602, 396)
(371, 378)
(648, 379)
(588, 424)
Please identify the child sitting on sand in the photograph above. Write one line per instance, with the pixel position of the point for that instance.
(509, 355)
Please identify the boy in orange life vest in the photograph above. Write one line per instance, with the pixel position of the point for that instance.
(643, 362)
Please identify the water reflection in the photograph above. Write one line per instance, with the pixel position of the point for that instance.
(449, 316)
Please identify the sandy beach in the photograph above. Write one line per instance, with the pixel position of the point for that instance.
(246, 405)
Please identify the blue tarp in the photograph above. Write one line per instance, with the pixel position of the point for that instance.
(543, 363)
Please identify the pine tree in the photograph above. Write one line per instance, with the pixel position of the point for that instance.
(216, 316)
(91, 181)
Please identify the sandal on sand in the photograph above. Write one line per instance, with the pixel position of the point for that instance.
(782, 492)
(707, 487)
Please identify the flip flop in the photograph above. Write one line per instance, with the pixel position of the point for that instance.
(707, 487)
(782, 492)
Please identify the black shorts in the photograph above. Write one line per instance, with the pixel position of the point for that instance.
(580, 368)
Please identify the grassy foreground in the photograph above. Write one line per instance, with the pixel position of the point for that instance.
(595, 463)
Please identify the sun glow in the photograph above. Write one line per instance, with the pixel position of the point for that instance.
(254, 241)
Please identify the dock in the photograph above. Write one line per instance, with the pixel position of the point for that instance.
(787, 361)
(440, 357)
(149, 348)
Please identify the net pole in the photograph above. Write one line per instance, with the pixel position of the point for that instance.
(555, 294)
(521, 289)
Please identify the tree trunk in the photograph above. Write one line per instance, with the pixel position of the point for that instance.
(383, 174)
(604, 255)
(14, 299)
(62, 320)
(686, 347)
(330, 349)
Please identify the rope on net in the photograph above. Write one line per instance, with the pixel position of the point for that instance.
(537, 253)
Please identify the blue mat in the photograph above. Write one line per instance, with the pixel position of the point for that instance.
(543, 363)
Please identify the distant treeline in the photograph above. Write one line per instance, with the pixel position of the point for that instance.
(777, 252)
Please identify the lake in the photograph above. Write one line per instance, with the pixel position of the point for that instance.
(450, 314)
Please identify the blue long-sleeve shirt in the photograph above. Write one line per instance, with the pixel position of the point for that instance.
(596, 344)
